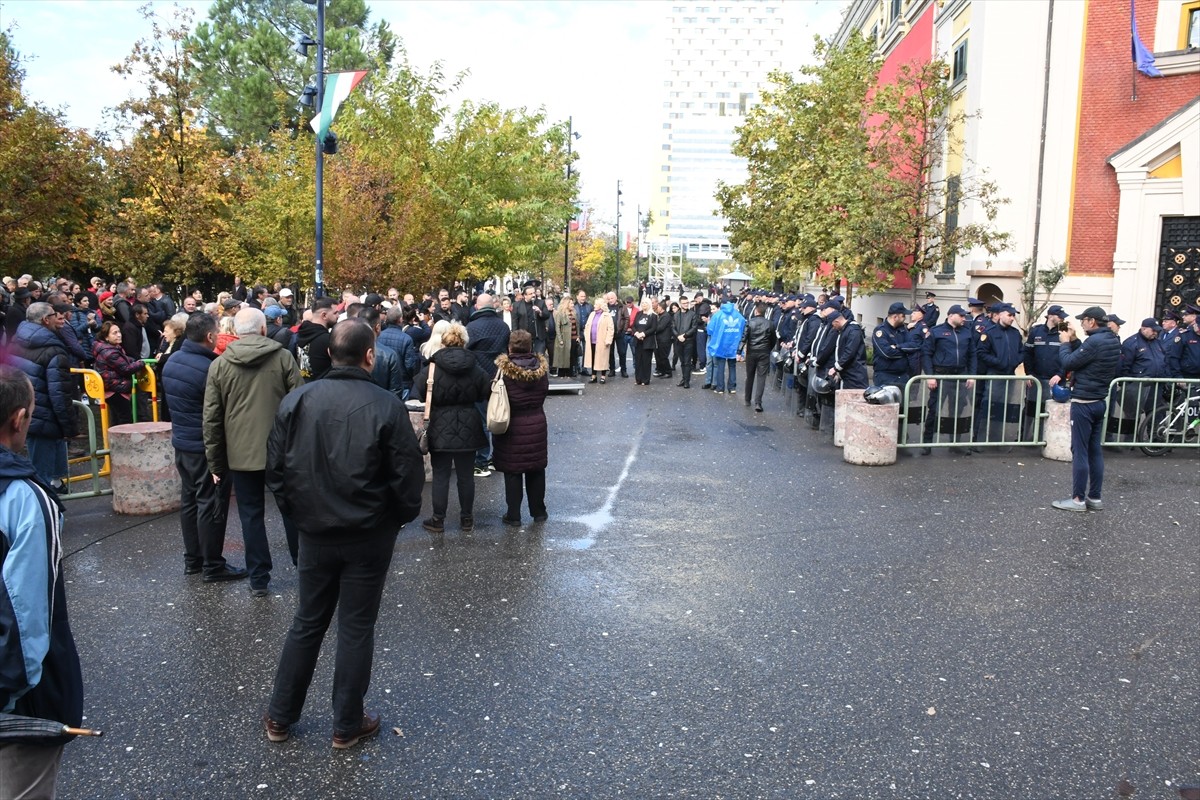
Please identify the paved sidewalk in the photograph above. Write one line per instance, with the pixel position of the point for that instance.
(749, 617)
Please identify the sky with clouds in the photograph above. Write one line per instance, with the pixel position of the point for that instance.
(597, 61)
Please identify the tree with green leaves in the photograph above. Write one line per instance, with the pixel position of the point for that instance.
(48, 179)
(849, 172)
(915, 133)
(248, 74)
(170, 186)
(809, 175)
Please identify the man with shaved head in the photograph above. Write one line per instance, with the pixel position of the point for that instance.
(241, 395)
(487, 338)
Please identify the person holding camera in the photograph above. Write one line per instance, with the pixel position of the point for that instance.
(1093, 365)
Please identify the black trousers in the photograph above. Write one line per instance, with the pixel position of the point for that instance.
(464, 468)
(685, 356)
(662, 358)
(348, 578)
(203, 512)
(756, 375)
(535, 489)
(641, 363)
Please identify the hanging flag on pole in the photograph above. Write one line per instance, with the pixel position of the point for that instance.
(337, 88)
(1142, 58)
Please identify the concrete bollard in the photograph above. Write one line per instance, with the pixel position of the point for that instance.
(842, 398)
(416, 418)
(870, 434)
(1058, 432)
(144, 478)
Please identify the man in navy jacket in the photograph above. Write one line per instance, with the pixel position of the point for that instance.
(204, 505)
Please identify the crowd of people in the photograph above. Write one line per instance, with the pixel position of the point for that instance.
(312, 405)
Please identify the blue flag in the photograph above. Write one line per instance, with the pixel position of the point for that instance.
(1142, 57)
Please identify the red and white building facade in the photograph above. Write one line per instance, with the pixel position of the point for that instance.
(1119, 194)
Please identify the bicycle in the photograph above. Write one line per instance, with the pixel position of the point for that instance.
(1180, 425)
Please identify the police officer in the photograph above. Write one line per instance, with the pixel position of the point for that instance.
(1183, 360)
(806, 331)
(785, 334)
(893, 343)
(918, 329)
(930, 309)
(849, 364)
(819, 359)
(999, 351)
(978, 317)
(949, 349)
(1170, 322)
(1041, 359)
(1142, 356)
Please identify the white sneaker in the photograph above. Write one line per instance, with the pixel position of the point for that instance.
(1093, 505)
(482, 472)
(1070, 504)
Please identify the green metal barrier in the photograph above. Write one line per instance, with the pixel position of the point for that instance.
(1155, 414)
(1015, 414)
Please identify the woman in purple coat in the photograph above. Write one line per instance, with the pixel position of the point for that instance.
(521, 452)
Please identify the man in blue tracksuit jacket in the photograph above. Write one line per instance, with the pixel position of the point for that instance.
(39, 666)
(724, 337)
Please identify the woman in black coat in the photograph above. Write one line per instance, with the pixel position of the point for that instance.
(644, 342)
(521, 452)
(455, 427)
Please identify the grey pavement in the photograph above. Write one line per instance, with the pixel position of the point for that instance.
(719, 607)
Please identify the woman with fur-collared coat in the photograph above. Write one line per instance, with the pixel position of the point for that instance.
(597, 337)
(521, 453)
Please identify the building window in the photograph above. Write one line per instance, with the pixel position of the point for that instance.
(873, 37)
(1189, 27)
(895, 15)
(666, 147)
(959, 71)
(953, 192)
(665, 189)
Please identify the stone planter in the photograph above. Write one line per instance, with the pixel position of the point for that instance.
(841, 399)
(1058, 432)
(144, 478)
(870, 432)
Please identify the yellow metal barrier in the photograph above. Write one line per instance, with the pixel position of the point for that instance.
(97, 457)
(146, 382)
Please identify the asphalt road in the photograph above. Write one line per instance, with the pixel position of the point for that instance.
(719, 607)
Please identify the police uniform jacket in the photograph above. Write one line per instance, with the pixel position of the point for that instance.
(850, 356)
(1041, 352)
(806, 332)
(892, 348)
(932, 313)
(1143, 358)
(949, 351)
(999, 350)
(916, 336)
(823, 344)
(1183, 358)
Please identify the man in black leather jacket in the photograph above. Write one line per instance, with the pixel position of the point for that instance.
(757, 342)
(342, 460)
(684, 323)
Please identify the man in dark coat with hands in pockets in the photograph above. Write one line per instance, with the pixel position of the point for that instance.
(343, 461)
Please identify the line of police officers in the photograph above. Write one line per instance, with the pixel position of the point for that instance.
(824, 348)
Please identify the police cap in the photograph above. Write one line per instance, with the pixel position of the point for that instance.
(897, 308)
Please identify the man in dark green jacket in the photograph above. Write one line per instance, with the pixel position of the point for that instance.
(242, 393)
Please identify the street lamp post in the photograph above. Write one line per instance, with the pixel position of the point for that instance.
(571, 136)
(302, 46)
(637, 254)
(618, 241)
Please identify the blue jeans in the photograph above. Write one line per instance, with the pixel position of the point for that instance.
(702, 349)
(725, 365)
(350, 579)
(250, 489)
(49, 457)
(1087, 454)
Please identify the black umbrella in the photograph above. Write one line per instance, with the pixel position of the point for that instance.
(14, 726)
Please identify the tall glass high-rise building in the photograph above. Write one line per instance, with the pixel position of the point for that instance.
(718, 56)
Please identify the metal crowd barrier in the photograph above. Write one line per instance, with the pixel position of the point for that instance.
(146, 383)
(995, 411)
(1155, 414)
(97, 456)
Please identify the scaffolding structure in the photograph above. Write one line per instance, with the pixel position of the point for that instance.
(665, 262)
